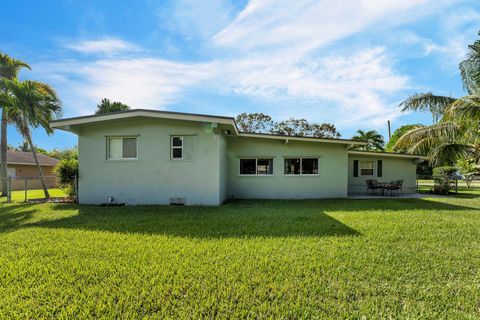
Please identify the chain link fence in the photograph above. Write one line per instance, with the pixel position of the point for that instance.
(30, 189)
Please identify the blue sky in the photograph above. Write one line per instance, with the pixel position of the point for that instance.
(346, 62)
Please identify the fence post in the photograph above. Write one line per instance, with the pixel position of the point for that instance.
(26, 189)
(75, 183)
(9, 190)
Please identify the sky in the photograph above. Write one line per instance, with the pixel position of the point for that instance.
(349, 62)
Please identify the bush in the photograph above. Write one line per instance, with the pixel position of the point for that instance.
(66, 170)
(444, 178)
(468, 170)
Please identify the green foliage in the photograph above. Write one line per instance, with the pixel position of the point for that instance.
(340, 259)
(254, 122)
(10, 67)
(424, 170)
(468, 169)
(66, 170)
(262, 123)
(106, 106)
(374, 140)
(390, 146)
(68, 153)
(456, 135)
(443, 178)
(25, 147)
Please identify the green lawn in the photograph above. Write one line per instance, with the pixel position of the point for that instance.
(388, 258)
(19, 196)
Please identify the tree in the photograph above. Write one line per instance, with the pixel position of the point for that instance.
(390, 147)
(69, 153)
(34, 104)
(455, 134)
(324, 130)
(254, 122)
(25, 147)
(263, 123)
(106, 106)
(9, 69)
(468, 169)
(373, 139)
(292, 127)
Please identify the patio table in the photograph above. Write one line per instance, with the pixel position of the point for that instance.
(383, 186)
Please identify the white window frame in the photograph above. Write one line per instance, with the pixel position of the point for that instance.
(176, 147)
(360, 168)
(256, 174)
(301, 167)
(121, 137)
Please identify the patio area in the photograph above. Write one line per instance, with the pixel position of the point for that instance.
(401, 196)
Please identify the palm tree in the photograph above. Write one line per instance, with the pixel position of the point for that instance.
(373, 139)
(9, 69)
(455, 132)
(106, 106)
(30, 104)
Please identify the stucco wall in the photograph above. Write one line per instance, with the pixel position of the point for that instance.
(330, 182)
(21, 171)
(223, 170)
(392, 169)
(153, 178)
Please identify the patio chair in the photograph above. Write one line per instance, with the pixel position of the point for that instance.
(372, 185)
(395, 187)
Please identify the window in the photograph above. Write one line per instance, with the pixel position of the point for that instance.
(367, 168)
(256, 166)
(177, 148)
(301, 166)
(121, 148)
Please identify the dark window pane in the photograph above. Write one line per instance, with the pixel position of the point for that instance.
(177, 141)
(292, 166)
(310, 166)
(177, 153)
(265, 166)
(129, 148)
(366, 172)
(247, 166)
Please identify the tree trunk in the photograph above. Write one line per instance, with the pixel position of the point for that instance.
(40, 172)
(3, 152)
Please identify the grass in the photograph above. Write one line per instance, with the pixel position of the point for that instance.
(19, 196)
(388, 258)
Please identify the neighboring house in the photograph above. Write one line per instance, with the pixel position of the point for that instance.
(159, 157)
(21, 165)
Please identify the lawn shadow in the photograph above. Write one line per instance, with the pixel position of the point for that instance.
(14, 216)
(237, 219)
(241, 218)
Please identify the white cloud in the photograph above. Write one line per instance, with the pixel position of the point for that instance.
(103, 46)
(309, 24)
(138, 82)
(275, 53)
(196, 18)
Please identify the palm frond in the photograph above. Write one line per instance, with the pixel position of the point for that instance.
(447, 153)
(9, 67)
(467, 108)
(444, 131)
(470, 69)
(427, 102)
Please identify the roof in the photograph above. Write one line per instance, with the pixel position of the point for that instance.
(26, 158)
(68, 123)
(300, 138)
(387, 154)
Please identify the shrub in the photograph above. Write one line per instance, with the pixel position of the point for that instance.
(444, 178)
(66, 170)
(468, 169)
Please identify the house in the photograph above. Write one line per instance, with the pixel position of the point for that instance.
(21, 165)
(159, 157)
